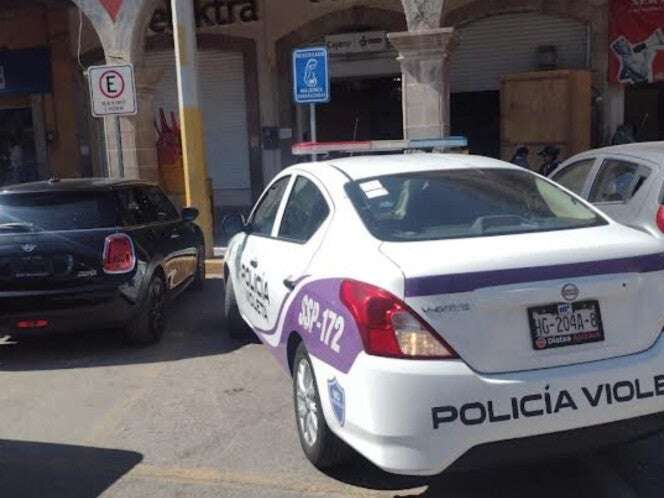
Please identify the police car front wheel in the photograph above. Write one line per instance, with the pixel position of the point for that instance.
(237, 329)
(322, 447)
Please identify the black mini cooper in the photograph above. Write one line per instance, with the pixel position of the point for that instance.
(94, 254)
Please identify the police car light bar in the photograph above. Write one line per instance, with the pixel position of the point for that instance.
(368, 146)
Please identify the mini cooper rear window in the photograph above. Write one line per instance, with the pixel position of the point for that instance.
(436, 205)
(51, 211)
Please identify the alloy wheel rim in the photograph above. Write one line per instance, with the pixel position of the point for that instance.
(307, 404)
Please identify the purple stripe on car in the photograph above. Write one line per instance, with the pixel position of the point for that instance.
(281, 310)
(468, 282)
(318, 343)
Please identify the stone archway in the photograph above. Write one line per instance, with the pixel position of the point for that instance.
(373, 18)
(479, 9)
(120, 26)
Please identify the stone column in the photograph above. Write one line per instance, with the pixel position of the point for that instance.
(139, 152)
(423, 53)
(425, 78)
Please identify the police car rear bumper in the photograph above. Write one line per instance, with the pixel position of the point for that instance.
(420, 417)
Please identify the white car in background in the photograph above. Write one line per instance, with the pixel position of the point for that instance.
(624, 181)
(441, 311)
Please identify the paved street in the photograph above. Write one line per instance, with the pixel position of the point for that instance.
(201, 415)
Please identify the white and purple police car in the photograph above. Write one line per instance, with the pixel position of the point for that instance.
(443, 310)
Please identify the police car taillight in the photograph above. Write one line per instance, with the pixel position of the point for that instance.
(388, 326)
(119, 256)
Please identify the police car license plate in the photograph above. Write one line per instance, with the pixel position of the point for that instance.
(565, 324)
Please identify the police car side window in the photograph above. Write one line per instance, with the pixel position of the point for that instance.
(266, 212)
(574, 176)
(305, 212)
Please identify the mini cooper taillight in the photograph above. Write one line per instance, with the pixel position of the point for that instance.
(389, 327)
(119, 256)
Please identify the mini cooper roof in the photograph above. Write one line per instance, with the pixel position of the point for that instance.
(73, 185)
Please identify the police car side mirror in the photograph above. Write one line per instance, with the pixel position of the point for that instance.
(234, 224)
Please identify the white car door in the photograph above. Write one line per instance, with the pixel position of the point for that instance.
(252, 291)
(284, 257)
(619, 188)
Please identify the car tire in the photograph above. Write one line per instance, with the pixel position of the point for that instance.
(237, 328)
(148, 326)
(198, 283)
(322, 447)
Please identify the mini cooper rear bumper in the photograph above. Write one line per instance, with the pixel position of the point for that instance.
(423, 417)
(76, 310)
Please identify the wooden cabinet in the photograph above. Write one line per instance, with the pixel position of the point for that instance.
(546, 108)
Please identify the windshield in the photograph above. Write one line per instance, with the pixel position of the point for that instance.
(52, 211)
(435, 205)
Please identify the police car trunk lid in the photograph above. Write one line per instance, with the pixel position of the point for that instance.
(481, 294)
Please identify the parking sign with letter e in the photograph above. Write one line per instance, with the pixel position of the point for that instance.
(112, 90)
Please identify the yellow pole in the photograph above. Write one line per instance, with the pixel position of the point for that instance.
(191, 118)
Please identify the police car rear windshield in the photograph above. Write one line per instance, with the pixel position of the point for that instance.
(437, 205)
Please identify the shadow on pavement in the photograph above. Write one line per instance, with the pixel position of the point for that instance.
(544, 479)
(641, 465)
(195, 329)
(38, 470)
(364, 474)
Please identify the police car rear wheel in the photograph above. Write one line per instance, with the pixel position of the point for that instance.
(321, 446)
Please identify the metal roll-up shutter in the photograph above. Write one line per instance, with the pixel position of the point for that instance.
(497, 46)
(224, 103)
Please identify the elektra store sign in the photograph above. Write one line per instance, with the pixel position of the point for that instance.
(207, 13)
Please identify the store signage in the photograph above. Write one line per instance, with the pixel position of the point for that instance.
(356, 43)
(112, 90)
(636, 52)
(26, 71)
(311, 76)
(207, 13)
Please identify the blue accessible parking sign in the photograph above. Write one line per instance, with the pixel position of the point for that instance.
(311, 76)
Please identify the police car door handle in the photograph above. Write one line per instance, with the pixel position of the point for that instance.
(253, 263)
(290, 285)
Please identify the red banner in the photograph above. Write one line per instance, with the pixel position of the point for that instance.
(112, 7)
(636, 46)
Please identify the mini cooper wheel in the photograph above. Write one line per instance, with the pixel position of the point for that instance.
(148, 327)
(321, 446)
(236, 326)
(199, 277)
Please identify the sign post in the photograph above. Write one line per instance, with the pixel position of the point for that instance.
(113, 93)
(311, 82)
